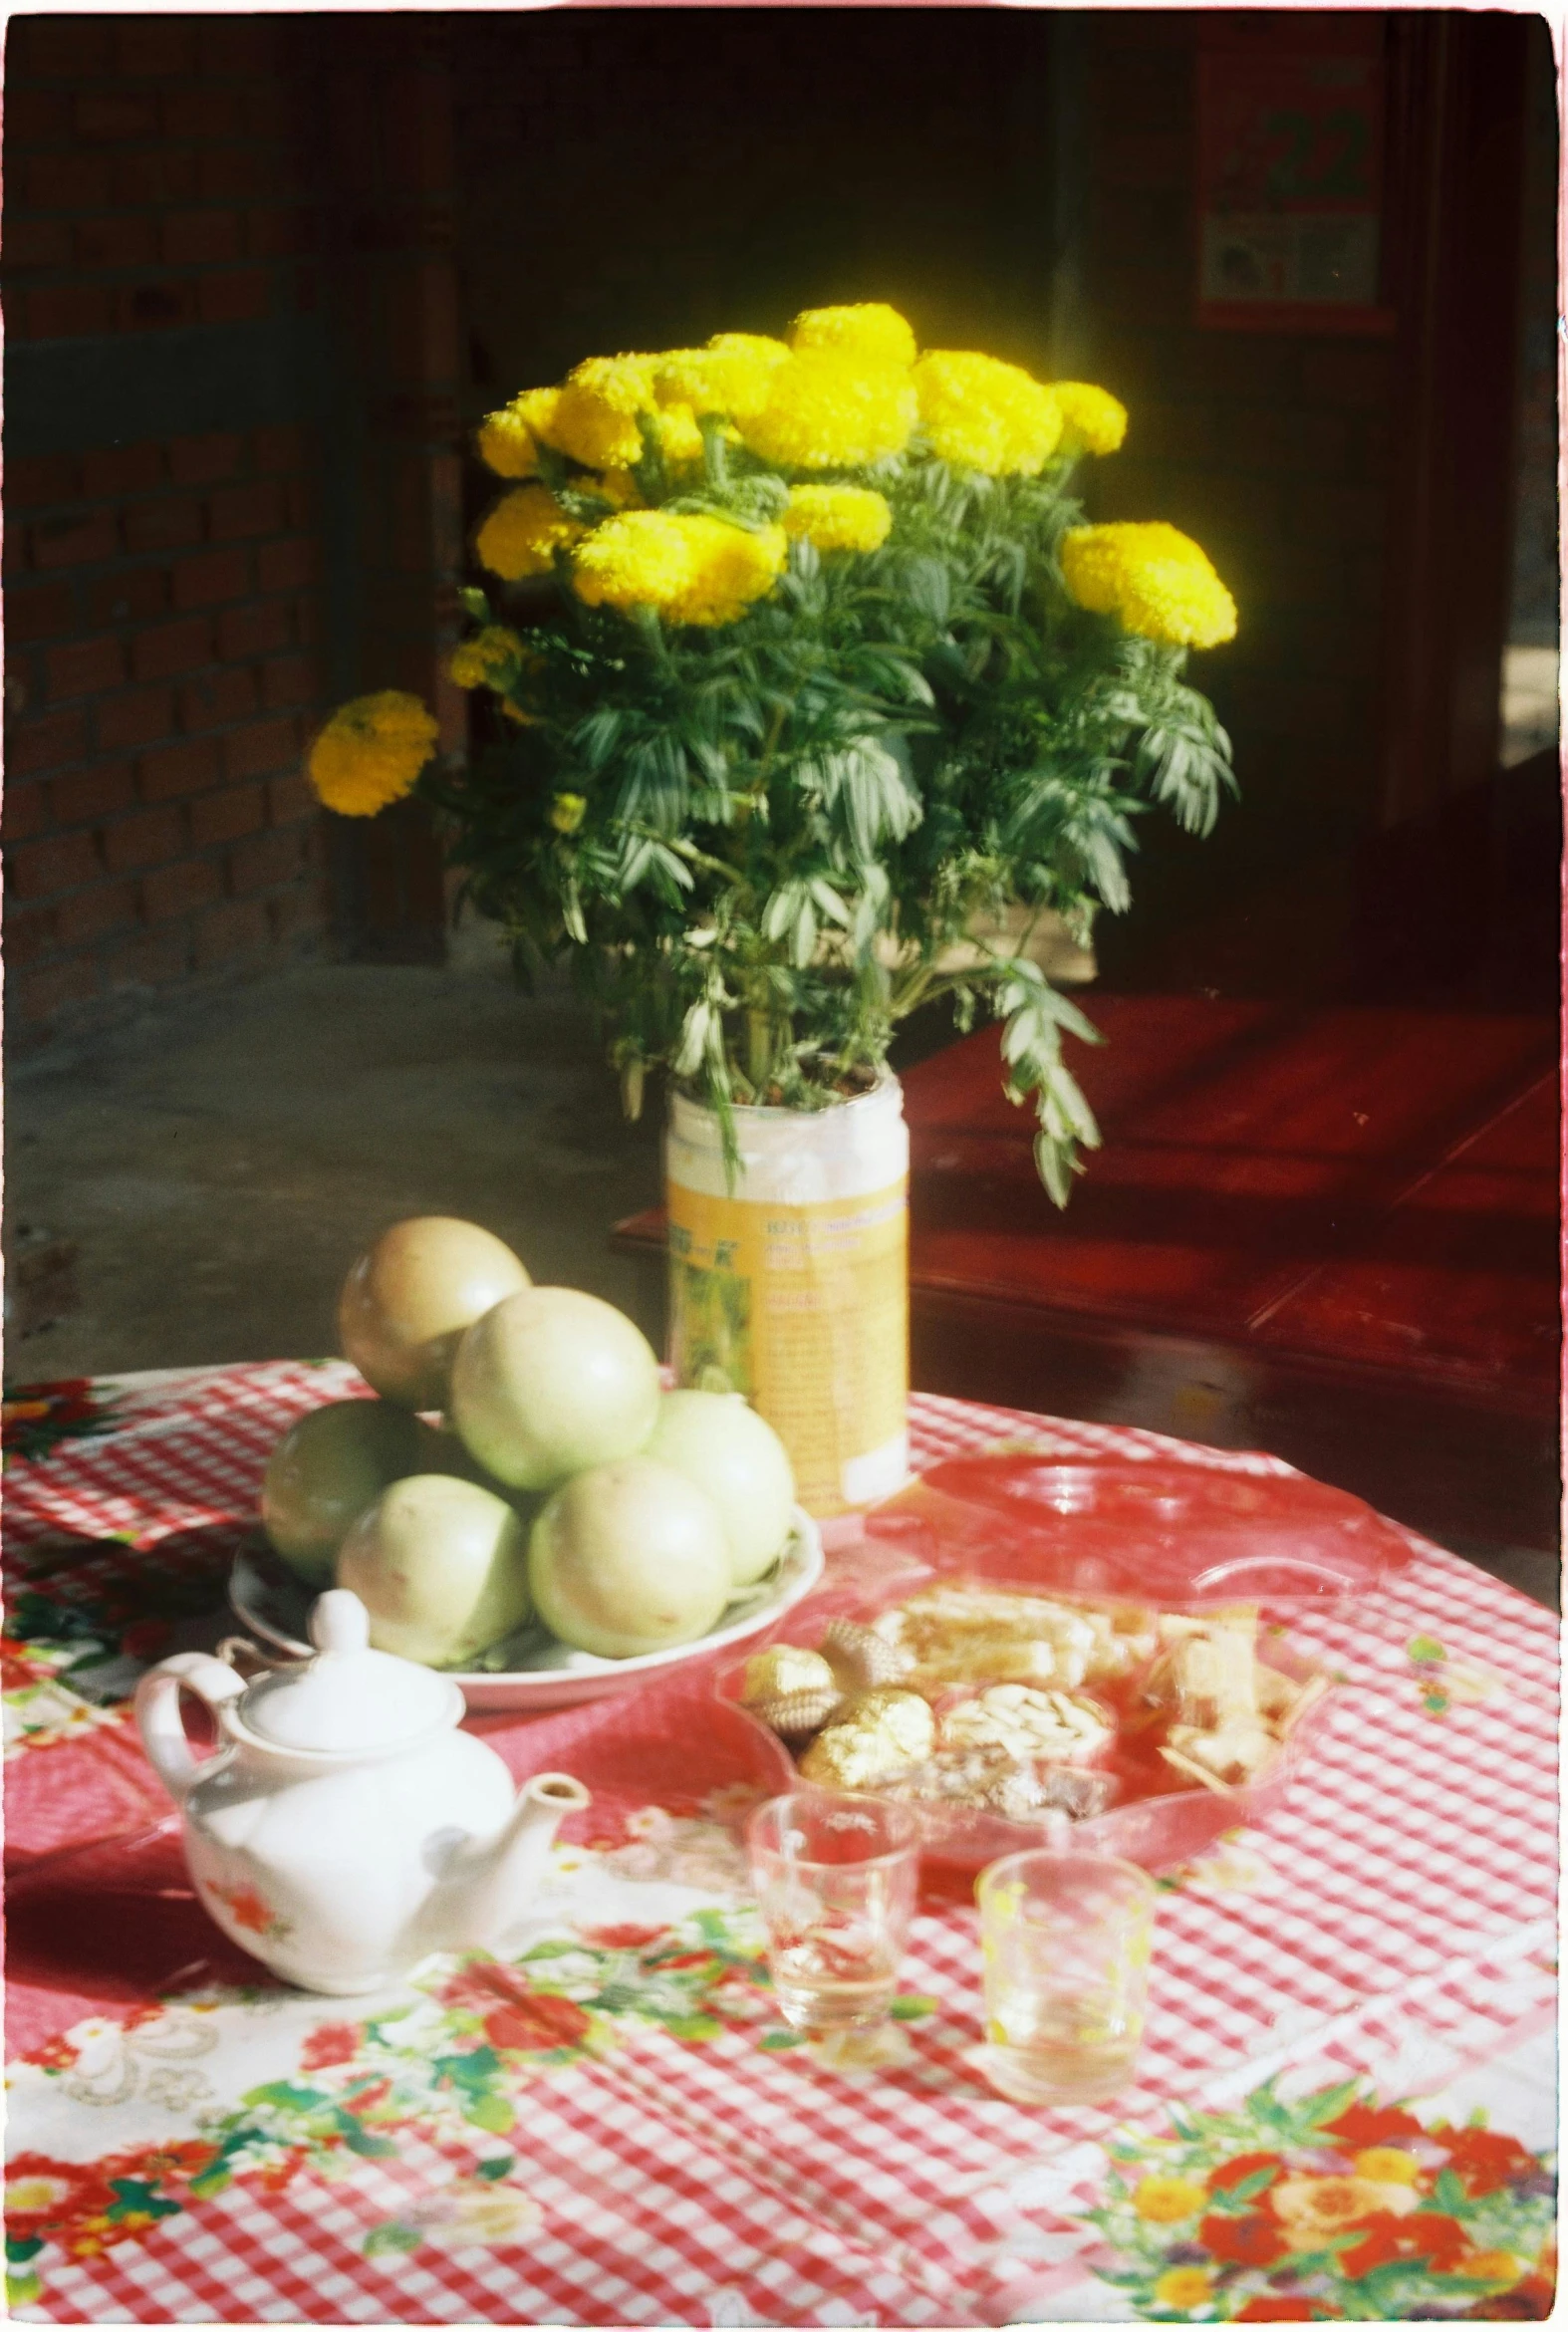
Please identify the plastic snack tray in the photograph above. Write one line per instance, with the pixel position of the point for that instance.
(1169, 1536)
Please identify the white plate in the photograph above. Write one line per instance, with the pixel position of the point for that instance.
(272, 1603)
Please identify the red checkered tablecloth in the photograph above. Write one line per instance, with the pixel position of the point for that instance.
(611, 2126)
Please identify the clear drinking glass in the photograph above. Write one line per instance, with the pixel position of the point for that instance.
(1065, 1941)
(835, 1876)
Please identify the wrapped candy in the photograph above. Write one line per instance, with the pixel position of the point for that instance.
(969, 1696)
(860, 1659)
(791, 1689)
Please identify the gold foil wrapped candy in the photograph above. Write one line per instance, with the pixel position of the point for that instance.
(878, 1736)
(790, 1689)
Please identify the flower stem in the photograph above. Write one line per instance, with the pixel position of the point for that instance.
(759, 1048)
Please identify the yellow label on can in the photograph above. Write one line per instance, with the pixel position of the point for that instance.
(806, 1311)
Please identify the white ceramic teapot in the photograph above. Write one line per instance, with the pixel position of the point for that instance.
(345, 1827)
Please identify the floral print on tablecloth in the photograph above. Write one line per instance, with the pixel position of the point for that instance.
(38, 1417)
(84, 1618)
(448, 2061)
(1334, 2206)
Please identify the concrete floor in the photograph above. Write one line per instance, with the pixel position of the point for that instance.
(219, 1162)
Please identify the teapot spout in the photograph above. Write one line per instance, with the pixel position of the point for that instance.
(489, 1887)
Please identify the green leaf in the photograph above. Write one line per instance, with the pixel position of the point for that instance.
(487, 2111)
(1448, 2193)
(1329, 2104)
(474, 604)
(19, 2248)
(211, 2181)
(472, 2069)
(909, 2005)
(781, 2040)
(21, 2290)
(393, 2236)
(498, 2166)
(1248, 2189)
(136, 2197)
(289, 2094)
(1054, 1163)
(692, 2027)
(928, 589)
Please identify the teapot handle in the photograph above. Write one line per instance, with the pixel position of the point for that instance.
(160, 1724)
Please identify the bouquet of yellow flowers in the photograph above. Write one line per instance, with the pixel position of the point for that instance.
(833, 674)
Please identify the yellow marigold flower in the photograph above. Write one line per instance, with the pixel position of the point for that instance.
(509, 441)
(616, 486)
(832, 412)
(730, 376)
(567, 812)
(1388, 2165)
(679, 439)
(640, 559)
(837, 518)
(371, 752)
(487, 653)
(507, 445)
(595, 419)
(1096, 419)
(871, 330)
(982, 415)
(625, 382)
(1165, 2199)
(536, 408)
(523, 533)
(730, 567)
(1153, 579)
(688, 569)
(594, 433)
(754, 348)
(1184, 2287)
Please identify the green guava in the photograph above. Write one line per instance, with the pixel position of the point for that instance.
(408, 1299)
(552, 1381)
(442, 1567)
(722, 1446)
(628, 1558)
(326, 1470)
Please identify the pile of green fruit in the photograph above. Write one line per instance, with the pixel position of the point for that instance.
(563, 1486)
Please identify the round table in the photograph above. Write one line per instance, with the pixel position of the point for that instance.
(611, 2126)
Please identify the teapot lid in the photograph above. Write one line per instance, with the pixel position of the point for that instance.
(347, 1698)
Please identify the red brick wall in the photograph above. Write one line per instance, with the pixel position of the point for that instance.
(161, 616)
